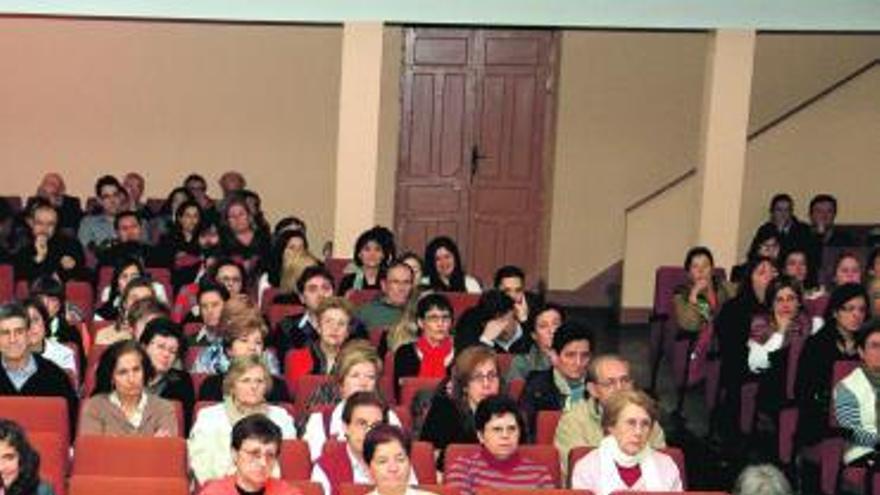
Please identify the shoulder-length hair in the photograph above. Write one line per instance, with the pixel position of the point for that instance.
(456, 279)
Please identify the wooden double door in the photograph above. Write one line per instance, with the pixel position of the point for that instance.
(477, 110)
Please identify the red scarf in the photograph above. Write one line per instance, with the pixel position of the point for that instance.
(433, 357)
(629, 475)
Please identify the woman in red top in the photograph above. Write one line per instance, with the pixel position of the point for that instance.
(319, 357)
(432, 353)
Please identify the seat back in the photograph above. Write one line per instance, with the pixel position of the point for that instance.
(422, 459)
(278, 312)
(83, 296)
(158, 457)
(363, 296)
(295, 461)
(411, 385)
(7, 283)
(303, 388)
(114, 485)
(534, 491)
(666, 279)
(53, 458)
(541, 454)
(515, 388)
(461, 302)
(306, 487)
(38, 415)
(545, 429)
(336, 267)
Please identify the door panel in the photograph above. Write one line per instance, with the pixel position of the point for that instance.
(472, 144)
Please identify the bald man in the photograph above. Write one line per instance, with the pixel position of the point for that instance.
(53, 190)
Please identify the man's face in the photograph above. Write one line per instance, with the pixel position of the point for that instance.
(513, 287)
(13, 339)
(822, 214)
(363, 419)
(781, 212)
(52, 188)
(398, 285)
(110, 199)
(197, 188)
(129, 229)
(573, 360)
(315, 290)
(43, 222)
(134, 185)
(612, 375)
(211, 307)
(231, 182)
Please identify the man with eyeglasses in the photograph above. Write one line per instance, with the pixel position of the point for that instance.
(23, 373)
(256, 445)
(582, 424)
(344, 462)
(385, 311)
(97, 230)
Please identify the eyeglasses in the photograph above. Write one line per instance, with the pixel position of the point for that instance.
(616, 382)
(363, 425)
(636, 424)
(438, 318)
(488, 377)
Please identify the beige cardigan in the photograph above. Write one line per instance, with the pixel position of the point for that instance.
(101, 417)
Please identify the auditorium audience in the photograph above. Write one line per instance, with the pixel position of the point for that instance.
(473, 377)
(625, 460)
(164, 344)
(582, 424)
(562, 386)
(370, 258)
(256, 447)
(766, 244)
(444, 271)
(121, 404)
(498, 463)
(136, 290)
(343, 462)
(548, 318)
(125, 270)
(855, 400)
(791, 231)
(387, 455)
(23, 373)
(19, 463)
(319, 357)
(296, 332)
(432, 353)
(244, 393)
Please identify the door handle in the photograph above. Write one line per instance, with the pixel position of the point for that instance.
(475, 160)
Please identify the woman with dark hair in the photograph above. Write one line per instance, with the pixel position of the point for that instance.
(835, 341)
(766, 244)
(474, 376)
(121, 403)
(775, 342)
(796, 264)
(125, 270)
(698, 300)
(19, 463)
(164, 221)
(164, 343)
(444, 270)
(290, 256)
(38, 343)
(432, 352)
(179, 249)
(492, 322)
(136, 290)
(387, 454)
(242, 238)
(50, 292)
(370, 258)
(732, 329)
(548, 318)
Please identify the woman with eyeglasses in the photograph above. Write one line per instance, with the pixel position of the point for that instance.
(450, 418)
(433, 351)
(625, 460)
(256, 446)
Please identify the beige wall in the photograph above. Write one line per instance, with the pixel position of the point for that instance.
(790, 68)
(95, 97)
(628, 122)
(831, 146)
(389, 125)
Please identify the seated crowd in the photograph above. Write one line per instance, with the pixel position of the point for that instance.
(221, 349)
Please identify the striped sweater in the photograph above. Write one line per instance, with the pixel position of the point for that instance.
(481, 469)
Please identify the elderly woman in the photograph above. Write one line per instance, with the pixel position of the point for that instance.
(256, 445)
(624, 461)
(319, 358)
(121, 403)
(835, 341)
(163, 340)
(244, 388)
(432, 353)
(60, 354)
(358, 370)
(19, 463)
(548, 318)
(344, 462)
(242, 237)
(136, 290)
(386, 454)
(498, 464)
(474, 377)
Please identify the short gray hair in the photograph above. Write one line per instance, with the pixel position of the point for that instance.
(763, 479)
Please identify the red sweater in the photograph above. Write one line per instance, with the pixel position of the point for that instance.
(336, 465)
(483, 470)
(226, 486)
